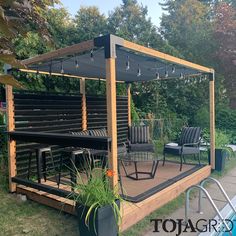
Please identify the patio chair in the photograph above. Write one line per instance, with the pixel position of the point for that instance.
(189, 144)
(139, 139)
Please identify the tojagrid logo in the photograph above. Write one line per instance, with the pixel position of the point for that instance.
(179, 227)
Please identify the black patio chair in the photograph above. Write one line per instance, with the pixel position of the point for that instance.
(139, 139)
(189, 144)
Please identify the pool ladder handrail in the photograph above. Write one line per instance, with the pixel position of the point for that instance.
(210, 179)
(202, 189)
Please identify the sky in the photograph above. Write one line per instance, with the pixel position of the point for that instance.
(154, 10)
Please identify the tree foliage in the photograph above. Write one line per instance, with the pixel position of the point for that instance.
(225, 36)
(187, 28)
(16, 18)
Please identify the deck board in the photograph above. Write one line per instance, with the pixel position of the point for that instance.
(131, 212)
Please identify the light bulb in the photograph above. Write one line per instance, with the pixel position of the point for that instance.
(127, 64)
(91, 55)
(139, 72)
(173, 69)
(166, 74)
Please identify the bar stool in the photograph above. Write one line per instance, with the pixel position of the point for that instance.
(41, 162)
(72, 153)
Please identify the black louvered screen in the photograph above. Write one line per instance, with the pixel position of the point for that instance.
(57, 113)
(97, 115)
(60, 113)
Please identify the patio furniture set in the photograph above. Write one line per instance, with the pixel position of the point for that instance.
(139, 149)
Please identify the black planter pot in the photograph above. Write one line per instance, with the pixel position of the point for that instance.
(104, 221)
(220, 155)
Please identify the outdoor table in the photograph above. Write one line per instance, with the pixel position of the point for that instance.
(64, 140)
(61, 139)
(138, 158)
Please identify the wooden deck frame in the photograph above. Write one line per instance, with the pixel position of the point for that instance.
(131, 213)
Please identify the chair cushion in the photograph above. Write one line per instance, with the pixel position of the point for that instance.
(176, 150)
(141, 147)
(190, 135)
(82, 133)
(98, 132)
(139, 134)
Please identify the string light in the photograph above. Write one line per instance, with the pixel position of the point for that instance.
(166, 74)
(91, 55)
(157, 75)
(127, 64)
(139, 71)
(173, 69)
(62, 68)
(76, 62)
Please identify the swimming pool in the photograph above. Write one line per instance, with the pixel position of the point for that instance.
(228, 214)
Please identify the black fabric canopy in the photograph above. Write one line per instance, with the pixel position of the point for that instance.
(130, 66)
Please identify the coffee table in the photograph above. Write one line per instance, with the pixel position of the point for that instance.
(138, 159)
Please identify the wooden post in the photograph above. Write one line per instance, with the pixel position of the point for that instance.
(11, 143)
(111, 117)
(212, 118)
(129, 104)
(84, 108)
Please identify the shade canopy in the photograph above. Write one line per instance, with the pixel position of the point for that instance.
(143, 64)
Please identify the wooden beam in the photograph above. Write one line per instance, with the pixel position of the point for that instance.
(62, 52)
(129, 104)
(111, 117)
(212, 120)
(166, 57)
(64, 75)
(84, 109)
(11, 143)
(53, 201)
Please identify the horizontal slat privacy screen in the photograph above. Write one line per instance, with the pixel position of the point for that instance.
(97, 115)
(60, 113)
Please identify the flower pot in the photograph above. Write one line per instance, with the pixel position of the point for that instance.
(220, 156)
(103, 220)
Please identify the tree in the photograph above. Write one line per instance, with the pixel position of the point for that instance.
(89, 23)
(16, 17)
(225, 35)
(61, 26)
(188, 29)
(130, 21)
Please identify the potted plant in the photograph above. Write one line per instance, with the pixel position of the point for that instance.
(97, 204)
(221, 150)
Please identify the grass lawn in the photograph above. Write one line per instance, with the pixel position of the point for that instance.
(29, 218)
(22, 218)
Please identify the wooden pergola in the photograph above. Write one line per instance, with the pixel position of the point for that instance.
(114, 60)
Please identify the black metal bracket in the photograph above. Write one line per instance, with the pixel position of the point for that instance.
(211, 76)
(109, 42)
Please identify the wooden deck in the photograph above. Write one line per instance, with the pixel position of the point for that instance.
(131, 212)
